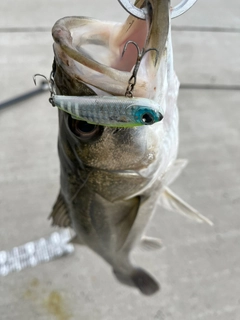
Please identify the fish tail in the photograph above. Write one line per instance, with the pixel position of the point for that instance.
(139, 278)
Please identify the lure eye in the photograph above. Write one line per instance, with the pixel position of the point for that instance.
(150, 118)
(85, 131)
(147, 118)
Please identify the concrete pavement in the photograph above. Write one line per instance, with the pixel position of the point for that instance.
(199, 266)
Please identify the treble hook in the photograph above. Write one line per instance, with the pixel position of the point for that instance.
(176, 11)
(50, 84)
(140, 54)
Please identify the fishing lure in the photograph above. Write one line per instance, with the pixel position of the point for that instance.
(110, 111)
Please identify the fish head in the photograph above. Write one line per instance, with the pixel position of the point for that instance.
(89, 60)
(106, 148)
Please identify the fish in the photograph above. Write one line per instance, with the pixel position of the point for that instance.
(110, 110)
(112, 180)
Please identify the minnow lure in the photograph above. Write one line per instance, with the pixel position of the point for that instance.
(110, 111)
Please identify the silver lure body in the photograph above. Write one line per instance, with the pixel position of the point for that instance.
(110, 110)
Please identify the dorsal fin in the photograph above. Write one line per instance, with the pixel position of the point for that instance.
(59, 215)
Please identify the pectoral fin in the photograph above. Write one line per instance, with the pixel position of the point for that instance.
(171, 201)
(59, 214)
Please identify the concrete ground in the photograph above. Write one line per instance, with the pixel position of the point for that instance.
(199, 267)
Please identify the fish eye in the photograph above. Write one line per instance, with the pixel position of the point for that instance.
(147, 118)
(85, 131)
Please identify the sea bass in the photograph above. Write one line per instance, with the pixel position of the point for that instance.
(113, 178)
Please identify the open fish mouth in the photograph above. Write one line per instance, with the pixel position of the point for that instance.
(91, 51)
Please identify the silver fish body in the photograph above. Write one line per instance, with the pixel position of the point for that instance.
(110, 110)
(108, 196)
(113, 178)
